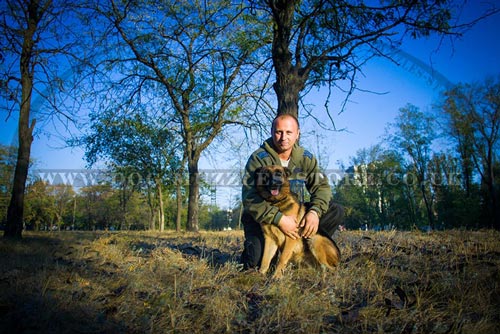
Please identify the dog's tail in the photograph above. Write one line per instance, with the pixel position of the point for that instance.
(325, 251)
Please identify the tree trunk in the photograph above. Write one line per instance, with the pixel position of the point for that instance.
(428, 205)
(123, 205)
(161, 209)
(152, 223)
(495, 208)
(493, 199)
(151, 204)
(194, 192)
(15, 212)
(290, 79)
(179, 204)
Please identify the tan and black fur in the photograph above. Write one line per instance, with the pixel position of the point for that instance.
(273, 186)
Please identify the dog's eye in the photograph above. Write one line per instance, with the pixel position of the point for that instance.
(263, 179)
(278, 178)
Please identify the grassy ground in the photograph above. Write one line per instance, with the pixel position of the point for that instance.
(121, 282)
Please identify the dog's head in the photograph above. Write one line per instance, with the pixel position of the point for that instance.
(272, 182)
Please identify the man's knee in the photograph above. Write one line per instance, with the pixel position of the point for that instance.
(254, 243)
(252, 252)
(330, 221)
(338, 211)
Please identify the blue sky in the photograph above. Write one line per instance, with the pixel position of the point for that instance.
(469, 59)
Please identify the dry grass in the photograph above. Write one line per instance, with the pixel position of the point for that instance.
(388, 282)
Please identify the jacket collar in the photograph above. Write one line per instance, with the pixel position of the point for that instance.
(295, 157)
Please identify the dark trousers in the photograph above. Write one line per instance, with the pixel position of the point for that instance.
(254, 238)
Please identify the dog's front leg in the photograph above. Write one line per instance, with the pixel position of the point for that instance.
(270, 249)
(285, 257)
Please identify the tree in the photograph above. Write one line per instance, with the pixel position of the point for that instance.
(36, 42)
(413, 136)
(99, 207)
(326, 42)
(63, 196)
(456, 205)
(191, 60)
(473, 118)
(136, 145)
(373, 191)
(40, 207)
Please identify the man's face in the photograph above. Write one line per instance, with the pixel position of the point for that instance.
(285, 133)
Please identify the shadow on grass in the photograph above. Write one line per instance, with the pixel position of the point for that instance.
(32, 313)
(60, 283)
(29, 305)
(214, 257)
(109, 282)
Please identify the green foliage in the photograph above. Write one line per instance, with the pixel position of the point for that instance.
(40, 207)
(374, 190)
(408, 184)
(457, 209)
(413, 136)
(472, 113)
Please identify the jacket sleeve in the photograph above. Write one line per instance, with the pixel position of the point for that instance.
(253, 204)
(317, 185)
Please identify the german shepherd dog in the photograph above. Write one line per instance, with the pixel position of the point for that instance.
(319, 251)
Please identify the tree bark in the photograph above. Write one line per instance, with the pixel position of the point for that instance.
(290, 78)
(194, 192)
(495, 211)
(179, 203)
(15, 211)
(161, 218)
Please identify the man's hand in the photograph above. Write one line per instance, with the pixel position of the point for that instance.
(288, 226)
(310, 222)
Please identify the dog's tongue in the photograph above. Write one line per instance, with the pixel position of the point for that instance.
(275, 192)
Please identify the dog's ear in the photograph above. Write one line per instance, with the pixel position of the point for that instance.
(288, 172)
(257, 171)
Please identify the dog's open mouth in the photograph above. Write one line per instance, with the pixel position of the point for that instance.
(271, 182)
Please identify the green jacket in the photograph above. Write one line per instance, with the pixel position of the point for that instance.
(305, 170)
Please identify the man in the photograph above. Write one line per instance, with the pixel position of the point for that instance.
(322, 216)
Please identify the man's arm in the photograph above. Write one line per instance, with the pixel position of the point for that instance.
(321, 195)
(319, 188)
